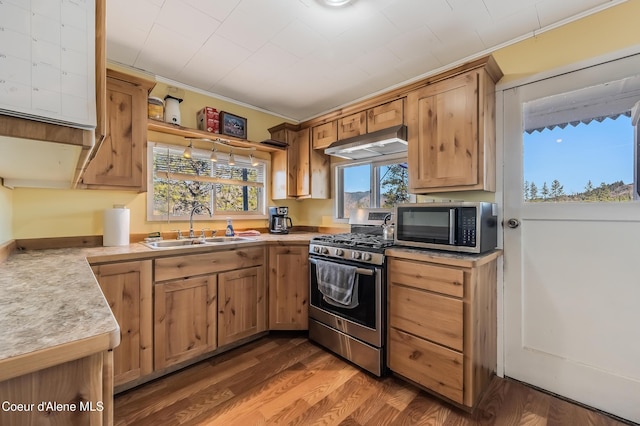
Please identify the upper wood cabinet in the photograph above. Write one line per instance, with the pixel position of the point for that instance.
(127, 288)
(324, 135)
(452, 134)
(120, 161)
(385, 115)
(352, 125)
(289, 287)
(299, 171)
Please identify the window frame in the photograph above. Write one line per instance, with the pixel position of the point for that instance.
(376, 163)
(222, 158)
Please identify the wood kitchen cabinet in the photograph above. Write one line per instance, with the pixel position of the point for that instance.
(370, 120)
(386, 115)
(442, 322)
(352, 125)
(207, 300)
(289, 287)
(85, 382)
(120, 161)
(299, 171)
(324, 135)
(127, 288)
(242, 304)
(452, 133)
(185, 319)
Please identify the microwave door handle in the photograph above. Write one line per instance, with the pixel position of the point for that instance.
(452, 226)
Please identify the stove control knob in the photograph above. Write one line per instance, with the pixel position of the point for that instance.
(316, 249)
(324, 250)
(366, 256)
(339, 252)
(356, 255)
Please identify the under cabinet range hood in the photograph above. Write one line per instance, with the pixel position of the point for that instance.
(381, 142)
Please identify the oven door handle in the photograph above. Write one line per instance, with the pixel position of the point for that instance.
(360, 271)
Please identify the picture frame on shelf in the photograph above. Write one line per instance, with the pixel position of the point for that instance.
(233, 125)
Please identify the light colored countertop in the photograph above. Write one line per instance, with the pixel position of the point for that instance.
(464, 260)
(52, 309)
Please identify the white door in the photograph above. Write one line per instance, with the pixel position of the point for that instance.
(572, 269)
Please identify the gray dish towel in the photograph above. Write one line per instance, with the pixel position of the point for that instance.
(338, 283)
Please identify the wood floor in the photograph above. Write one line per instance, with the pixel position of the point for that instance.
(285, 379)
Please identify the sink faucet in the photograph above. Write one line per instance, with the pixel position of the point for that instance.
(196, 207)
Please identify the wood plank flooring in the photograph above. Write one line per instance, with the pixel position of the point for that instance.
(285, 379)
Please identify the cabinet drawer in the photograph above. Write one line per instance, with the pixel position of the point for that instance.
(428, 315)
(427, 277)
(169, 268)
(432, 366)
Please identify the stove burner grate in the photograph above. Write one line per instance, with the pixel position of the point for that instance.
(354, 240)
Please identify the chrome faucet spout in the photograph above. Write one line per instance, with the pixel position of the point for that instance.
(195, 208)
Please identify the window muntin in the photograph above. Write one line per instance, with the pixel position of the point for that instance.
(382, 183)
(177, 184)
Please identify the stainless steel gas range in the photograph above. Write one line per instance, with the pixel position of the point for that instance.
(347, 291)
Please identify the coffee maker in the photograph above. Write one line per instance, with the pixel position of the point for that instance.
(279, 221)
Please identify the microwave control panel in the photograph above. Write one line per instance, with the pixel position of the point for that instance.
(467, 227)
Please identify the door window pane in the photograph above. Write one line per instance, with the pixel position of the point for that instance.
(579, 147)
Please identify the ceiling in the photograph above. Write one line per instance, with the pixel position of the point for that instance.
(299, 59)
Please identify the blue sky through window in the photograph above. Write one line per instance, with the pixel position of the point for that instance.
(600, 152)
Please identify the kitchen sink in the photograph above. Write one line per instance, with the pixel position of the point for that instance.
(195, 242)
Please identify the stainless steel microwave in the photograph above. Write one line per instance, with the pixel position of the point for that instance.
(468, 227)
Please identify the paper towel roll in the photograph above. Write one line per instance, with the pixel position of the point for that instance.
(116, 227)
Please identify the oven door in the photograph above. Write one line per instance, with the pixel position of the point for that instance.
(364, 321)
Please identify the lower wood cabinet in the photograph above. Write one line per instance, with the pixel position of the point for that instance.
(242, 304)
(185, 319)
(442, 322)
(289, 287)
(127, 286)
(78, 392)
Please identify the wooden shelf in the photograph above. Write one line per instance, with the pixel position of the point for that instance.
(172, 129)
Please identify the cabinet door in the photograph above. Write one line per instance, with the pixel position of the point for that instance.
(289, 288)
(299, 168)
(279, 175)
(242, 304)
(324, 135)
(119, 162)
(185, 319)
(127, 288)
(443, 140)
(385, 115)
(352, 125)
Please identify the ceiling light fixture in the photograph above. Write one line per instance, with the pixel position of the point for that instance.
(232, 159)
(253, 160)
(335, 3)
(214, 156)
